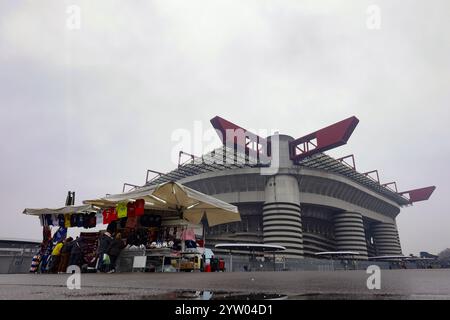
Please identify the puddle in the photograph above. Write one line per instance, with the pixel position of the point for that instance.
(94, 295)
(216, 295)
(243, 296)
(223, 295)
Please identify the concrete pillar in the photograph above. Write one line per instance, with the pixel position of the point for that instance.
(386, 239)
(349, 233)
(282, 223)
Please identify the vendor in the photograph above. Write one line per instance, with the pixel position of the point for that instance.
(115, 248)
(65, 255)
(103, 247)
(55, 259)
(76, 254)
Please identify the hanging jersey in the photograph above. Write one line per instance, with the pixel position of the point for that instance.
(121, 210)
(99, 217)
(73, 220)
(80, 221)
(139, 207)
(67, 220)
(61, 220)
(105, 214)
(131, 209)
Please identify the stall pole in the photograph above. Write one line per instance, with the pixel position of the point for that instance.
(203, 233)
(231, 261)
(274, 263)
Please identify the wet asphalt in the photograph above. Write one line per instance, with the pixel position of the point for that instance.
(395, 284)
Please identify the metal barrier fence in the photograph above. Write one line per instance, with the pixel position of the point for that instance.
(248, 263)
(15, 261)
(19, 262)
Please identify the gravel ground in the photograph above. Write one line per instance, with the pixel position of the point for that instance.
(395, 284)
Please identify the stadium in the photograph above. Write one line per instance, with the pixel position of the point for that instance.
(290, 193)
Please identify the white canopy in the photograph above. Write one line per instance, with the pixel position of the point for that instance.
(337, 253)
(173, 196)
(391, 257)
(63, 210)
(250, 247)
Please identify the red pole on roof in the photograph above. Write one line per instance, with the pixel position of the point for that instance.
(324, 139)
(240, 138)
(420, 194)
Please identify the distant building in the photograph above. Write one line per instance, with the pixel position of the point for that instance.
(16, 254)
(424, 254)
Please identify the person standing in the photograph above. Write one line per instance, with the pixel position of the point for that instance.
(76, 253)
(56, 255)
(115, 248)
(103, 247)
(65, 255)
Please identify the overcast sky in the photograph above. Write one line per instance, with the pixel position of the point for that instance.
(91, 108)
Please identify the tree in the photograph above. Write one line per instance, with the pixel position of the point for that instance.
(445, 254)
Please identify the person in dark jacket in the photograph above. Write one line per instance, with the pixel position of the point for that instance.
(103, 247)
(115, 248)
(65, 255)
(76, 252)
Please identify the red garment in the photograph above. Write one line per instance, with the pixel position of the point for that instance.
(113, 215)
(131, 222)
(221, 265)
(105, 216)
(131, 209)
(139, 207)
(109, 215)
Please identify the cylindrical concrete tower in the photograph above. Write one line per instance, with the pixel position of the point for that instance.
(386, 239)
(282, 224)
(349, 233)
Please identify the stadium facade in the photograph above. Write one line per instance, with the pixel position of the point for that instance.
(290, 193)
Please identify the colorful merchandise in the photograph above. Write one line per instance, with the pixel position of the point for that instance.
(121, 210)
(131, 209)
(139, 207)
(67, 221)
(188, 234)
(80, 221)
(73, 220)
(131, 222)
(61, 221)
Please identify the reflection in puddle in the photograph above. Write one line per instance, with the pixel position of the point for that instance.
(217, 295)
(223, 295)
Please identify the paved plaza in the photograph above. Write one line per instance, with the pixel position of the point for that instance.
(395, 284)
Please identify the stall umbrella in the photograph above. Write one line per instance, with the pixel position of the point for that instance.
(172, 196)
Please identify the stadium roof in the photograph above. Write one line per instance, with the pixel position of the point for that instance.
(234, 160)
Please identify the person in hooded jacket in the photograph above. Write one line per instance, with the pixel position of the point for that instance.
(76, 252)
(103, 247)
(114, 250)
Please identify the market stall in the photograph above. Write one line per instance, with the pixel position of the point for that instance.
(58, 221)
(162, 225)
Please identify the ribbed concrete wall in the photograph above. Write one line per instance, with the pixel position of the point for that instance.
(282, 223)
(349, 233)
(313, 243)
(386, 239)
